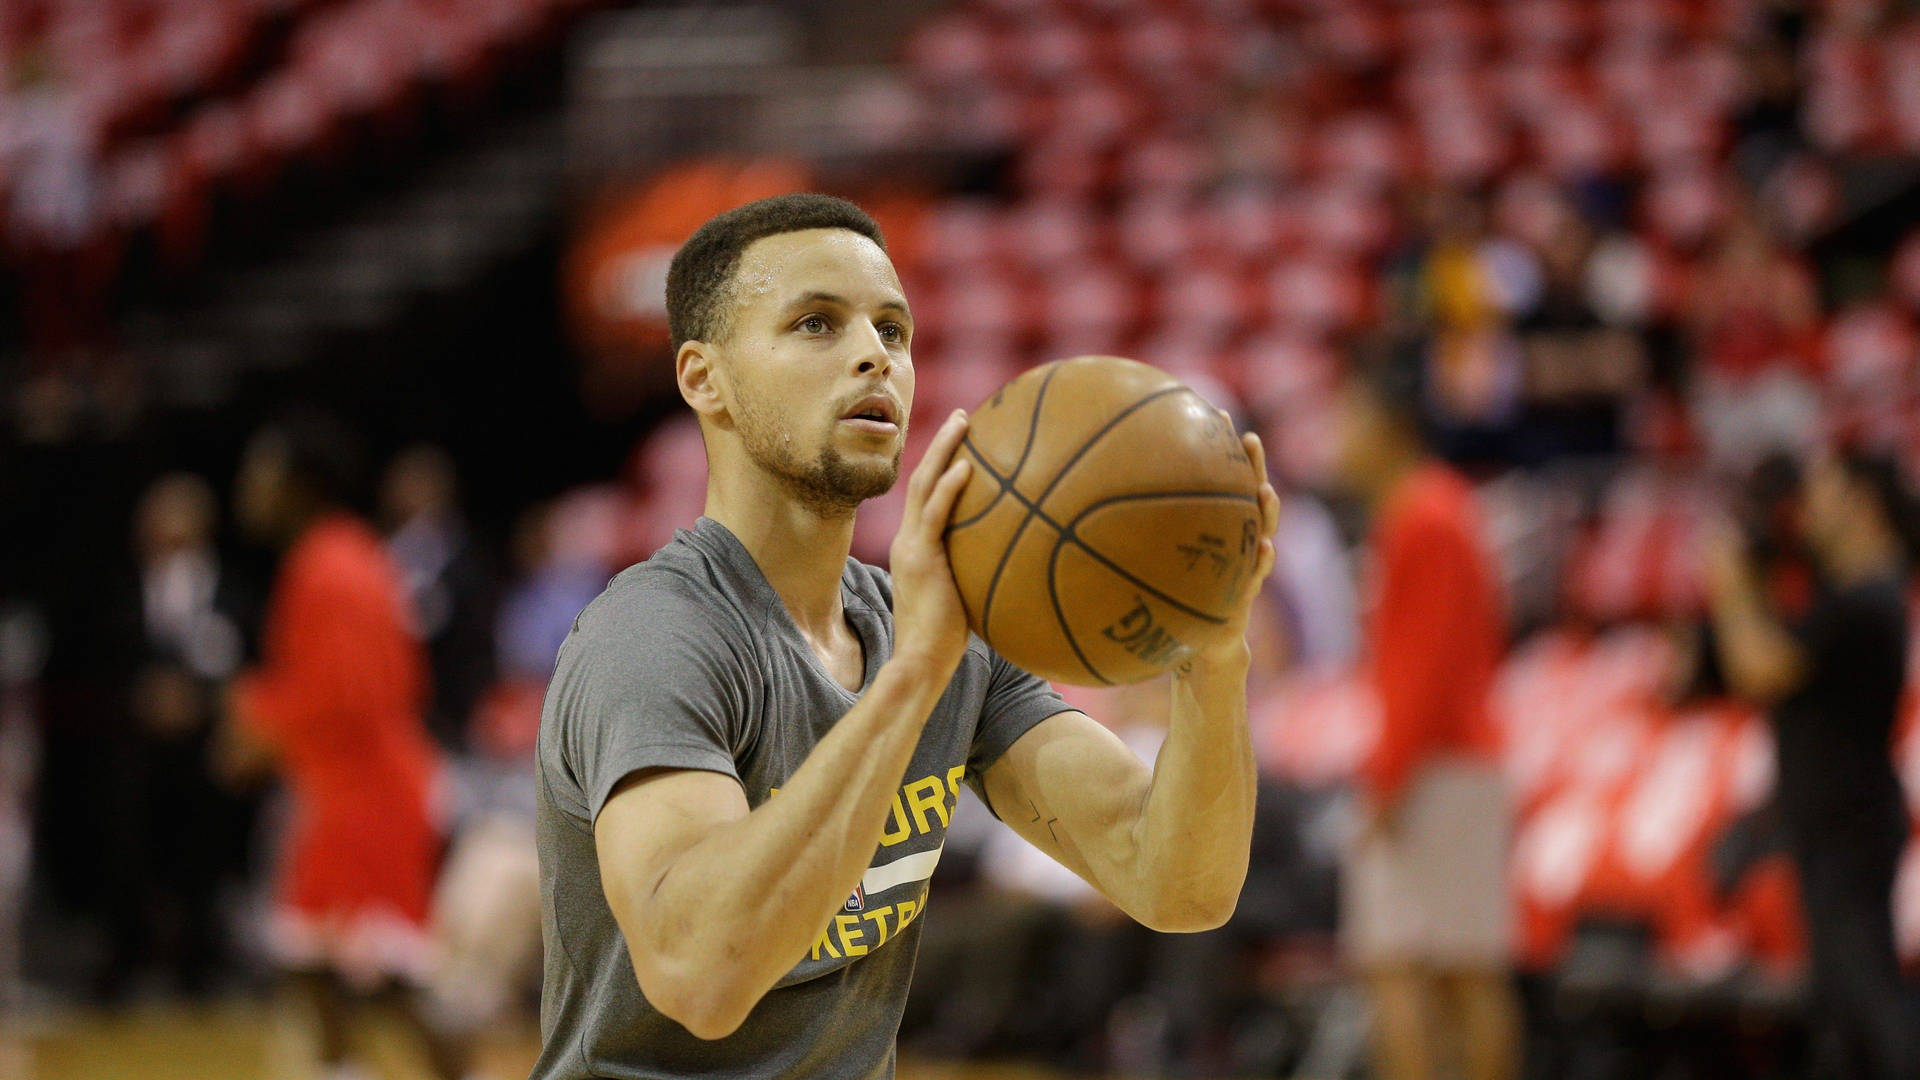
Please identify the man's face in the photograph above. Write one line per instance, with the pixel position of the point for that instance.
(815, 370)
(259, 491)
(175, 514)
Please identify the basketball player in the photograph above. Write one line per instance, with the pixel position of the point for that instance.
(335, 706)
(752, 744)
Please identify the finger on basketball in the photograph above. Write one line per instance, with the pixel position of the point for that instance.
(1256, 453)
(939, 454)
(939, 505)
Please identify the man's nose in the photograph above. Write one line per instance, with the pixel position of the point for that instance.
(869, 355)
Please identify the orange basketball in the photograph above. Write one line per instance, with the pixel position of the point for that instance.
(1110, 521)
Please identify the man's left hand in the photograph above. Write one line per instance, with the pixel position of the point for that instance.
(1231, 646)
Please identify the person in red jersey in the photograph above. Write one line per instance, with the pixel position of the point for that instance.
(1425, 912)
(336, 707)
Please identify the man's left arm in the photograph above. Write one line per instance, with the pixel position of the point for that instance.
(1168, 845)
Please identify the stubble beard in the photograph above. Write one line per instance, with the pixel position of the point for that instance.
(829, 485)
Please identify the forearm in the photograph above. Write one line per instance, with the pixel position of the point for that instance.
(1196, 824)
(780, 872)
(1759, 657)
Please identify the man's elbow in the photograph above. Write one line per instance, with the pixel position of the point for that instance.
(1189, 911)
(707, 1004)
(1765, 685)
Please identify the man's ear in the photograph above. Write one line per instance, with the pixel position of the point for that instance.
(699, 378)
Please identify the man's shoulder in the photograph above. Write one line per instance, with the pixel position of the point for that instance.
(1880, 600)
(1435, 505)
(676, 595)
(663, 597)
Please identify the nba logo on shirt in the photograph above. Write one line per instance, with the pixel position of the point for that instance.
(858, 901)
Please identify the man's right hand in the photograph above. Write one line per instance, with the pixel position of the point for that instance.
(929, 622)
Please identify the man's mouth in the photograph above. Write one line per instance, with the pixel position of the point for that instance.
(876, 413)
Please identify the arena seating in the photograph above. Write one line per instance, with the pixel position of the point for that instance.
(128, 120)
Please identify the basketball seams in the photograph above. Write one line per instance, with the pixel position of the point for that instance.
(1070, 533)
(993, 583)
(1158, 594)
(1026, 449)
(1060, 614)
(1033, 505)
(1067, 465)
(1067, 534)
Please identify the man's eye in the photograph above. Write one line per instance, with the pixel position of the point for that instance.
(892, 331)
(814, 324)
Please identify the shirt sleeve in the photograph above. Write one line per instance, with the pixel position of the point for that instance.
(646, 682)
(1421, 567)
(1016, 701)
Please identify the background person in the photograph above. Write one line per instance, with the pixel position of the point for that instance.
(1833, 681)
(1425, 910)
(184, 835)
(335, 706)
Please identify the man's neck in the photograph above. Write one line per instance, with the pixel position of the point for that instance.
(802, 552)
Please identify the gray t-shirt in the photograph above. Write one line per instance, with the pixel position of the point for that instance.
(690, 661)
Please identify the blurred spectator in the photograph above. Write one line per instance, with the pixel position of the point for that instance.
(23, 649)
(486, 909)
(335, 706)
(1580, 371)
(1426, 915)
(1834, 680)
(1314, 581)
(1751, 315)
(448, 578)
(1458, 295)
(556, 580)
(181, 835)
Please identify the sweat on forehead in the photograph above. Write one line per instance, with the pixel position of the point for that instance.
(817, 261)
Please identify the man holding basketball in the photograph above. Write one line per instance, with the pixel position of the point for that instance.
(752, 744)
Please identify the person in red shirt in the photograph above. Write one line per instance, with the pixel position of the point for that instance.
(1425, 911)
(336, 706)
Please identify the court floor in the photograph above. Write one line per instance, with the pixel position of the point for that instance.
(245, 1040)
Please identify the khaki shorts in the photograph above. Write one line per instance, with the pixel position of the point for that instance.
(1433, 891)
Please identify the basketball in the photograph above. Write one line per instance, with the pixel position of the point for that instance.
(1109, 523)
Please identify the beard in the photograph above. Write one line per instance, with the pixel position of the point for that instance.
(828, 484)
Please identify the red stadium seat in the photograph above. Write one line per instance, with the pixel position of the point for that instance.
(1056, 51)
(1207, 300)
(1163, 166)
(1048, 234)
(1253, 224)
(1366, 148)
(1156, 231)
(1559, 26)
(1089, 309)
(1316, 296)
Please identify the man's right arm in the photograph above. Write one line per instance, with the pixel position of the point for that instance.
(1762, 662)
(716, 902)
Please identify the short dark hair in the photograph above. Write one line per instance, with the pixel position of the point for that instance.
(1395, 384)
(323, 455)
(700, 279)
